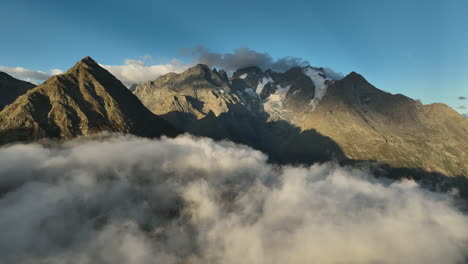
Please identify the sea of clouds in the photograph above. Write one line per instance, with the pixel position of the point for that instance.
(123, 199)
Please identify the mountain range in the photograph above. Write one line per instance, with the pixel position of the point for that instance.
(302, 115)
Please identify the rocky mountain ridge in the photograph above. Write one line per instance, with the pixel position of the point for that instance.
(291, 114)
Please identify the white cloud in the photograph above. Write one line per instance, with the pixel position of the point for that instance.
(29, 75)
(130, 200)
(137, 71)
(56, 71)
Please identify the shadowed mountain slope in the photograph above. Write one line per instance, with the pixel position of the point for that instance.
(11, 88)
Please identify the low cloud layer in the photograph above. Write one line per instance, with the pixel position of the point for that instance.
(32, 76)
(130, 200)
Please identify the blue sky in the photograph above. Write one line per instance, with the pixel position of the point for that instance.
(417, 48)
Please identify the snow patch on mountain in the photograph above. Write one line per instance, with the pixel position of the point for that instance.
(221, 90)
(274, 103)
(243, 76)
(319, 82)
(262, 83)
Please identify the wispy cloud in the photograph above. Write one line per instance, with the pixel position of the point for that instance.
(33, 76)
(462, 98)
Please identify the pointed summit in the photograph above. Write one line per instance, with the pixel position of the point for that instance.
(86, 62)
(88, 59)
(355, 76)
(85, 100)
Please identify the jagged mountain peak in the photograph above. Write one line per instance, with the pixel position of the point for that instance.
(247, 70)
(86, 75)
(200, 67)
(85, 100)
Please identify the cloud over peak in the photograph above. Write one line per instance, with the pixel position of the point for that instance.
(245, 57)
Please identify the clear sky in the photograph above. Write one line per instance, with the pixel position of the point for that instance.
(417, 48)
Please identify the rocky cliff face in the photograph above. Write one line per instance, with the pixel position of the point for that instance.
(197, 91)
(303, 115)
(85, 100)
(11, 88)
